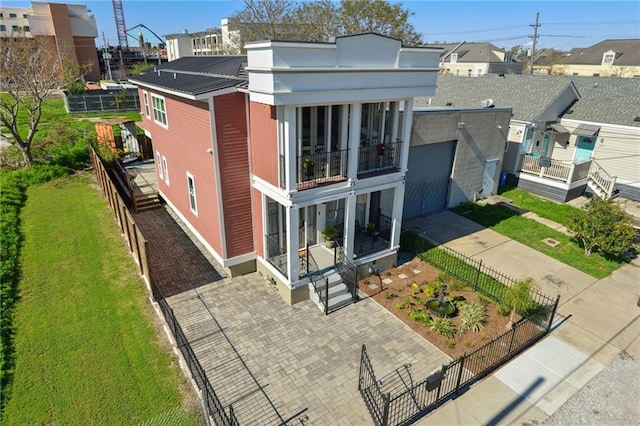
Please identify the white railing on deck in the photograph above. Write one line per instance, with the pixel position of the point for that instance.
(557, 170)
(602, 179)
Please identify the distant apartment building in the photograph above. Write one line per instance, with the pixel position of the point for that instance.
(69, 26)
(213, 41)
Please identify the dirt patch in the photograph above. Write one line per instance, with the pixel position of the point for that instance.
(403, 286)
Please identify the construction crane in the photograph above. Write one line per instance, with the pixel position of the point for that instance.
(121, 28)
(140, 39)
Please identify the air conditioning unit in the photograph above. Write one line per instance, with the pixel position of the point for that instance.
(487, 103)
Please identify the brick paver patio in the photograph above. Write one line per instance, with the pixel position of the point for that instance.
(274, 362)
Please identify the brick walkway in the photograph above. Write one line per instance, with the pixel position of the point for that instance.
(273, 362)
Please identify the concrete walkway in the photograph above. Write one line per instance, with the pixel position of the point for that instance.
(602, 319)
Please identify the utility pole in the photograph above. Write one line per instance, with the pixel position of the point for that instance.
(106, 55)
(535, 40)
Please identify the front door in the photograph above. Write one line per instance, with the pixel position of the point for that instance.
(307, 230)
(489, 178)
(374, 208)
(584, 149)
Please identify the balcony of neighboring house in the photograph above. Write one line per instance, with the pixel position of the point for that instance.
(322, 168)
(378, 158)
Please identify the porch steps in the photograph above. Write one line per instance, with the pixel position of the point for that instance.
(338, 292)
(593, 187)
(142, 202)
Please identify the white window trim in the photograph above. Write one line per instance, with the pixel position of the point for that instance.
(165, 170)
(454, 58)
(159, 167)
(610, 53)
(147, 109)
(193, 207)
(153, 107)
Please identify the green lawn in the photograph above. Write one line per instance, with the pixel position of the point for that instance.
(531, 233)
(544, 208)
(86, 348)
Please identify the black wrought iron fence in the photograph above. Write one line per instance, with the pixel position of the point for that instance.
(214, 408)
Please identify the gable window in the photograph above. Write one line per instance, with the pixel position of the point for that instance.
(191, 185)
(608, 58)
(145, 97)
(159, 165)
(166, 170)
(159, 110)
(454, 58)
(508, 57)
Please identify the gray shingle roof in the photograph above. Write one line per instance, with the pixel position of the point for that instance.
(627, 53)
(602, 99)
(471, 52)
(195, 75)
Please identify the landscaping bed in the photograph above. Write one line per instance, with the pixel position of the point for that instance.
(404, 290)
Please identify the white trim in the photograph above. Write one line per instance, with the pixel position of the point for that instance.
(216, 167)
(327, 70)
(191, 183)
(159, 167)
(230, 262)
(595, 123)
(198, 97)
(160, 111)
(165, 168)
(147, 107)
(277, 194)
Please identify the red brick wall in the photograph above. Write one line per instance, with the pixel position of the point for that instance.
(264, 142)
(258, 231)
(231, 131)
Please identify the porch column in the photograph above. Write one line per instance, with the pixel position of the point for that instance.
(354, 141)
(290, 147)
(350, 219)
(395, 116)
(407, 120)
(293, 264)
(396, 215)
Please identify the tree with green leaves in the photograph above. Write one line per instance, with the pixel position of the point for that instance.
(518, 297)
(30, 72)
(602, 226)
(319, 20)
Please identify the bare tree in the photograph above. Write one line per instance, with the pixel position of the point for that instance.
(30, 71)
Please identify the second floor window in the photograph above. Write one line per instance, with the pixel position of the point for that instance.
(159, 110)
(145, 97)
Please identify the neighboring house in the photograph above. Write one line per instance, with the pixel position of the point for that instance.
(567, 134)
(69, 26)
(260, 154)
(609, 58)
(476, 59)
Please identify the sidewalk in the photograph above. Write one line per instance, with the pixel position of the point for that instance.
(602, 320)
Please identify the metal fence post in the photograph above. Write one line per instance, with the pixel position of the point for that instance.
(553, 314)
(461, 368)
(385, 414)
(475, 286)
(513, 334)
(326, 296)
(362, 355)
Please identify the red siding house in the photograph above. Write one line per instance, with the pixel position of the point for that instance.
(269, 155)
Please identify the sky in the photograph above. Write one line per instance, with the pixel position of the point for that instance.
(564, 24)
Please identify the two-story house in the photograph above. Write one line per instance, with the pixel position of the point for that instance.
(476, 59)
(260, 154)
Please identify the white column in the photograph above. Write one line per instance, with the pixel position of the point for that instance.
(293, 264)
(395, 116)
(354, 141)
(396, 215)
(290, 146)
(407, 119)
(350, 220)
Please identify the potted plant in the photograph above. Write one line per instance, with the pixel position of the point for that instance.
(307, 165)
(371, 227)
(329, 234)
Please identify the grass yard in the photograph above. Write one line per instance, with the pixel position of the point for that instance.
(548, 209)
(531, 233)
(86, 348)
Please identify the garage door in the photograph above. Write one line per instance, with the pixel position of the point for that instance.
(427, 182)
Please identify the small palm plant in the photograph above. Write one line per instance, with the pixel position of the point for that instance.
(472, 317)
(443, 326)
(518, 297)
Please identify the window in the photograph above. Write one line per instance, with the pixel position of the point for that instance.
(145, 96)
(159, 111)
(454, 58)
(608, 58)
(15, 28)
(26, 28)
(25, 16)
(13, 15)
(191, 185)
(1, 15)
(3, 28)
(166, 170)
(508, 57)
(159, 165)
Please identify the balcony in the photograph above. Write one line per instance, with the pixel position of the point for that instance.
(324, 168)
(378, 158)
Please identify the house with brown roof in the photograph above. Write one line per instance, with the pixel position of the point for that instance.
(609, 58)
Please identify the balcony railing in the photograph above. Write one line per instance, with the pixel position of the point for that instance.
(321, 168)
(379, 158)
(557, 170)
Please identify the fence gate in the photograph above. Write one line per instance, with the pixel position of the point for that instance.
(377, 402)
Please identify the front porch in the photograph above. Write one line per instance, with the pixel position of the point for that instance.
(563, 181)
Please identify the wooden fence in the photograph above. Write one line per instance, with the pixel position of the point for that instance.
(138, 245)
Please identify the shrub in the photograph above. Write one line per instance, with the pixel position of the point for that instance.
(450, 344)
(421, 316)
(472, 317)
(389, 294)
(443, 326)
(431, 289)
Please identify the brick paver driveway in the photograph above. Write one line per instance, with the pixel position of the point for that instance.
(273, 362)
